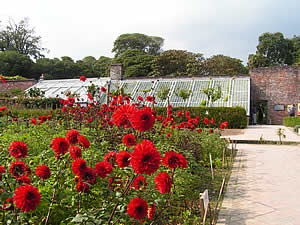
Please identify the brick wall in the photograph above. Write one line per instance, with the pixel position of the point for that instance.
(21, 84)
(278, 85)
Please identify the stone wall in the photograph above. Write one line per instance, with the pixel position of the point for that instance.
(278, 85)
(20, 84)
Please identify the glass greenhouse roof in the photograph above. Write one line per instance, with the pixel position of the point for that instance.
(235, 91)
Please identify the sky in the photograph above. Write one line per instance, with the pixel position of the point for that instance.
(81, 28)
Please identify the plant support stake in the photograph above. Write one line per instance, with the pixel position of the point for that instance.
(211, 167)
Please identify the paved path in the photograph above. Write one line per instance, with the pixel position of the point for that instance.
(266, 132)
(264, 187)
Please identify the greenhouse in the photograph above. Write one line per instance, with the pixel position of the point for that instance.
(235, 91)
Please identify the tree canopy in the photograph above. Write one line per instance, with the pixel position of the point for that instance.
(21, 38)
(148, 44)
(273, 49)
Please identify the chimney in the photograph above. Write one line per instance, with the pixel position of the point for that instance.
(116, 71)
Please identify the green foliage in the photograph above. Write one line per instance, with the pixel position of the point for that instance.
(163, 93)
(213, 94)
(225, 65)
(147, 44)
(184, 93)
(291, 121)
(177, 63)
(273, 49)
(235, 116)
(13, 63)
(29, 103)
(35, 92)
(135, 63)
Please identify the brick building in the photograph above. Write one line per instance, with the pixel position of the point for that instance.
(274, 89)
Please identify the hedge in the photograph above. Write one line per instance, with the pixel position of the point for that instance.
(30, 103)
(291, 121)
(235, 116)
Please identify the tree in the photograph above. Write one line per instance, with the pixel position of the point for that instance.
(135, 63)
(225, 65)
(88, 66)
(273, 49)
(178, 63)
(103, 66)
(21, 38)
(12, 63)
(296, 49)
(148, 44)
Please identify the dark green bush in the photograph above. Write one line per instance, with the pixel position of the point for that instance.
(30, 103)
(235, 116)
(291, 121)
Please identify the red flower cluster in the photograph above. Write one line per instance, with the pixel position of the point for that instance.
(79, 167)
(145, 158)
(83, 141)
(3, 108)
(2, 170)
(75, 152)
(27, 198)
(223, 125)
(83, 78)
(3, 80)
(18, 169)
(137, 208)
(174, 160)
(103, 168)
(72, 136)
(142, 120)
(129, 140)
(18, 149)
(163, 182)
(121, 116)
(123, 159)
(140, 183)
(60, 146)
(43, 172)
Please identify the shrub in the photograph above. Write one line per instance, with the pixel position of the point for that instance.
(291, 121)
(235, 116)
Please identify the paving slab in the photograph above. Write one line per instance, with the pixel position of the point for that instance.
(266, 133)
(263, 187)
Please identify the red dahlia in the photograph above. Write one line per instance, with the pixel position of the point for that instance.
(89, 176)
(129, 140)
(145, 158)
(3, 81)
(111, 157)
(18, 169)
(140, 183)
(206, 121)
(140, 98)
(142, 120)
(72, 136)
(75, 152)
(83, 141)
(103, 89)
(2, 170)
(79, 167)
(123, 159)
(137, 208)
(33, 121)
(163, 182)
(24, 180)
(103, 168)
(27, 198)
(174, 160)
(60, 146)
(43, 171)
(83, 78)
(82, 187)
(149, 99)
(18, 149)
(121, 115)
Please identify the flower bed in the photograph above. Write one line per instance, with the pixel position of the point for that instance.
(107, 164)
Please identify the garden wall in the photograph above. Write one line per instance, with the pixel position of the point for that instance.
(279, 86)
(20, 84)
